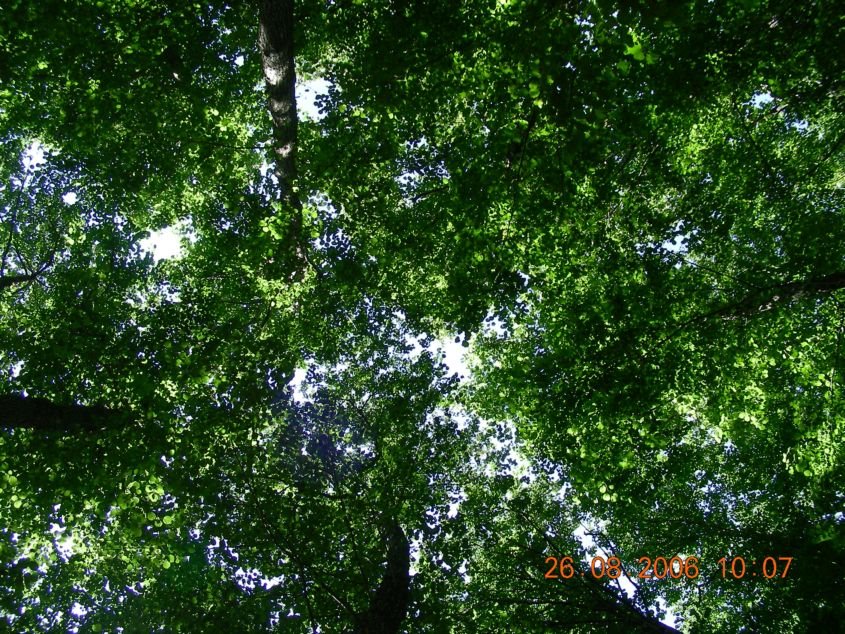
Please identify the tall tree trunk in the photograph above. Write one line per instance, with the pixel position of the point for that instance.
(389, 604)
(275, 41)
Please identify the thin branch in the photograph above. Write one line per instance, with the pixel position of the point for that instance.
(425, 194)
(832, 149)
(777, 294)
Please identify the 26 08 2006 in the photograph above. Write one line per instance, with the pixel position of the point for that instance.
(611, 567)
(676, 567)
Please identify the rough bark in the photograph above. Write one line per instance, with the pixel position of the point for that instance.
(275, 41)
(18, 411)
(389, 604)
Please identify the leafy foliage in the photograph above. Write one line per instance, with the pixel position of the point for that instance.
(630, 215)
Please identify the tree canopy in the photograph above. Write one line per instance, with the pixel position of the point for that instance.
(628, 214)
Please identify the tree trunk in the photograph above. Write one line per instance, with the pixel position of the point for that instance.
(389, 604)
(275, 41)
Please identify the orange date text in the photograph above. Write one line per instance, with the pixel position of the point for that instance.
(611, 567)
(676, 567)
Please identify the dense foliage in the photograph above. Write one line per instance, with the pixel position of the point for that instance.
(629, 214)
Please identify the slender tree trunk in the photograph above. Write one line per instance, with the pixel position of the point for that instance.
(389, 603)
(275, 41)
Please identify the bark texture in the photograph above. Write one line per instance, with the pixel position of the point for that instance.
(275, 41)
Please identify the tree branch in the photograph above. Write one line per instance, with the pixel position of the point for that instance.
(8, 281)
(763, 300)
(19, 411)
(616, 603)
(777, 294)
(13, 224)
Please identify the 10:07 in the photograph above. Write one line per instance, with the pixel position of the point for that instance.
(770, 566)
